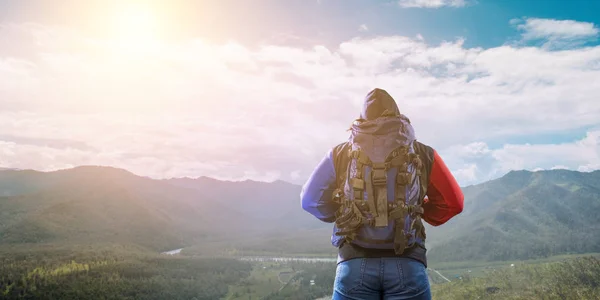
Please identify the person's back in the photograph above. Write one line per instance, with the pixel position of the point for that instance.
(377, 188)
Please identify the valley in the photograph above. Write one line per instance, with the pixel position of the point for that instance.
(91, 228)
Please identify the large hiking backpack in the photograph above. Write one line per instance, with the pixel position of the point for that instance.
(381, 190)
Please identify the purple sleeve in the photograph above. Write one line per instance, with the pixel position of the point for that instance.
(317, 192)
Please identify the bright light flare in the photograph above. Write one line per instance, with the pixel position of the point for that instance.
(136, 30)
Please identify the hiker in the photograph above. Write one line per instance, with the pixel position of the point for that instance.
(377, 188)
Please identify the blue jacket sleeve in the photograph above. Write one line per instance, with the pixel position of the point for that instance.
(317, 192)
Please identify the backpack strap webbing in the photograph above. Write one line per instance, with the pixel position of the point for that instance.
(379, 183)
(349, 217)
(359, 182)
(425, 154)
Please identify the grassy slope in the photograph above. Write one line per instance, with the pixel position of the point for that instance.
(260, 283)
(478, 268)
(577, 278)
(574, 277)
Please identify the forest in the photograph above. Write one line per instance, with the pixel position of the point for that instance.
(122, 273)
(115, 274)
(299, 287)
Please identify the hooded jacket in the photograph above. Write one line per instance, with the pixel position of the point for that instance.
(444, 198)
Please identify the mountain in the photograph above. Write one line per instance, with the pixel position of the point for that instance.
(520, 215)
(87, 204)
(276, 202)
(523, 215)
(91, 204)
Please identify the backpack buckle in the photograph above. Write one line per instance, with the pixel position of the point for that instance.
(379, 177)
(357, 183)
(403, 178)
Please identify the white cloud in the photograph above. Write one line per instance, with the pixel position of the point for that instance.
(535, 28)
(363, 28)
(431, 3)
(582, 155)
(202, 108)
(295, 175)
(556, 33)
(468, 173)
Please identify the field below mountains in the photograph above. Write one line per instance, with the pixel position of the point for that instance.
(122, 273)
(100, 231)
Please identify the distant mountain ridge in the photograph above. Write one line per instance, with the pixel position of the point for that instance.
(524, 215)
(47, 207)
(520, 215)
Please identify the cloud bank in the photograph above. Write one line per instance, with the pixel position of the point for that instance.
(271, 112)
(556, 33)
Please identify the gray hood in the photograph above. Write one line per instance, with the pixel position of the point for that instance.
(376, 103)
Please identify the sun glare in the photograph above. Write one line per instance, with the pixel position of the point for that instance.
(136, 30)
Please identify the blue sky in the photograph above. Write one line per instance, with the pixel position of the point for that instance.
(483, 23)
(200, 86)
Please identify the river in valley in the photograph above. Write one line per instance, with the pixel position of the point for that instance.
(270, 258)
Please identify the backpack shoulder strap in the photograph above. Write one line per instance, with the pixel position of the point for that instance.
(425, 153)
(340, 161)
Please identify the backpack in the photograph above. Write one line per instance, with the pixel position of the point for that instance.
(381, 189)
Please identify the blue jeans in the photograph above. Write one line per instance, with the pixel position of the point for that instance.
(390, 278)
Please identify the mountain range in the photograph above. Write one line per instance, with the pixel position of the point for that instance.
(523, 215)
(520, 215)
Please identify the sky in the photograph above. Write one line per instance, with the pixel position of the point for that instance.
(262, 89)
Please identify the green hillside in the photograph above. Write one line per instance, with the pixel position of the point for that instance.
(569, 279)
(523, 215)
(114, 273)
(107, 205)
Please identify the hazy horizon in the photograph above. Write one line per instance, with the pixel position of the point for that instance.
(297, 183)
